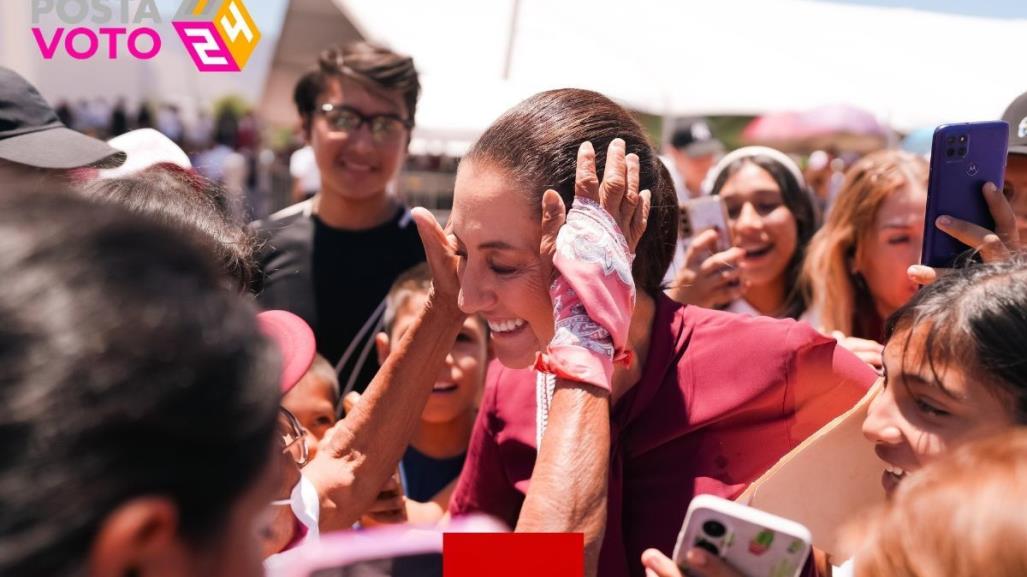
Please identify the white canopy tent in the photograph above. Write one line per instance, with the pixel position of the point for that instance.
(675, 58)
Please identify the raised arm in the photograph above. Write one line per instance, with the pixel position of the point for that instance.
(592, 313)
(360, 452)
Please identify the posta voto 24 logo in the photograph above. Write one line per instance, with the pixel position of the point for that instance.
(219, 35)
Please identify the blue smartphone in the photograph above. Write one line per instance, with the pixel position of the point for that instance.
(963, 158)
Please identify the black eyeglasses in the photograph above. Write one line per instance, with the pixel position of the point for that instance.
(384, 127)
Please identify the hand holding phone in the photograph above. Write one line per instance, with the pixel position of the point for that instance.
(708, 278)
(993, 245)
(753, 542)
(705, 213)
(963, 158)
(700, 564)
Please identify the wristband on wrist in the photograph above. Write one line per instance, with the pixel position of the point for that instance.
(593, 298)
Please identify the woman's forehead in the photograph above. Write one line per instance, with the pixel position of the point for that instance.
(908, 199)
(910, 352)
(487, 203)
(749, 179)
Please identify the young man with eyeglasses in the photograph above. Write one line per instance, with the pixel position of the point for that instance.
(332, 259)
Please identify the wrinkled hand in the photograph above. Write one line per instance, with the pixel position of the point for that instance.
(618, 194)
(708, 280)
(700, 564)
(389, 507)
(440, 252)
(993, 246)
(868, 351)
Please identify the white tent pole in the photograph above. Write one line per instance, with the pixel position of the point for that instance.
(514, 16)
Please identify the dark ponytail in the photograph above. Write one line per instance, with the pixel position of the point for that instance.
(536, 144)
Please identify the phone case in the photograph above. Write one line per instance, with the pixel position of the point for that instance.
(754, 542)
(701, 214)
(963, 157)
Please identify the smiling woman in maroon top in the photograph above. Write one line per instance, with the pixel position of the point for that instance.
(711, 399)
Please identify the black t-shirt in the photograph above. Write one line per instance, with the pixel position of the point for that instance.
(335, 279)
(424, 476)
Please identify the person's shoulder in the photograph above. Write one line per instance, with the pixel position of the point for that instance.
(404, 234)
(286, 232)
(289, 216)
(750, 333)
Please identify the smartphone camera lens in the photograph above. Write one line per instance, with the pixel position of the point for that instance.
(706, 545)
(951, 140)
(962, 151)
(950, 152)
(714, 529)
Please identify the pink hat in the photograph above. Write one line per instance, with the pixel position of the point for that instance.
(295, 342)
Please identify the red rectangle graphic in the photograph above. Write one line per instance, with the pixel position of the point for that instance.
(513, 555)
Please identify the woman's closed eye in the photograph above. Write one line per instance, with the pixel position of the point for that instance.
(502, 269)
(928, 408)
(899, 239)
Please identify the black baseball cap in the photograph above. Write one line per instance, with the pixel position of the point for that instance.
(1016, 116)
(694, 138)
(31, 134)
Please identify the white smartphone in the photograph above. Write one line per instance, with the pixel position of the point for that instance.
(754, 542)
(701, 214)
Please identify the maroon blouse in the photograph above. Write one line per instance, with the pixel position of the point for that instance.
(721, 399)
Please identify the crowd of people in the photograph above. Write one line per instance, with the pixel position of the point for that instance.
(184, 392)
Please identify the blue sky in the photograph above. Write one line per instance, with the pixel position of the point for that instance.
(985, 8)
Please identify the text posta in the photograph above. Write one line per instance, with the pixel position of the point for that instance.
(82, 42)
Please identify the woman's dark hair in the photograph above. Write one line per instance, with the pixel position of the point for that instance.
(977, 320)
(192, 204)
(799, 201)
(536, 144)
(126, 370)
(364, 62)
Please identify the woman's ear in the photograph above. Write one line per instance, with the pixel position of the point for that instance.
(382, 346)
(139, 538)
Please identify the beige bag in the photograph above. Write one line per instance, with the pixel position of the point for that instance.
(825, 482)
